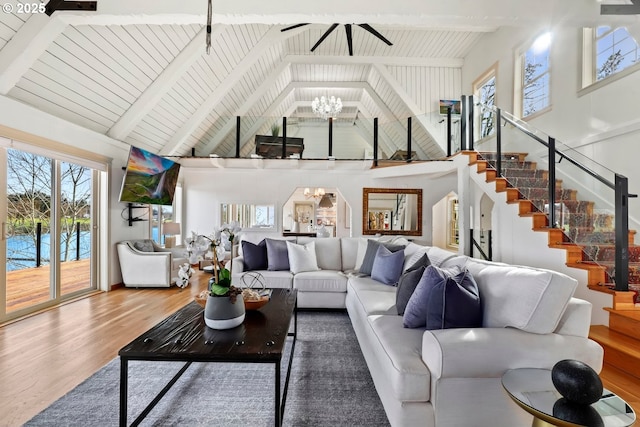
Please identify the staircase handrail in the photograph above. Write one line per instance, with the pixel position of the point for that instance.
(620, 187)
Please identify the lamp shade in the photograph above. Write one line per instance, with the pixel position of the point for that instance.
(171, 228)
(325, 202)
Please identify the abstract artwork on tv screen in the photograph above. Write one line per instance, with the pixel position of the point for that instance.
(149, 178)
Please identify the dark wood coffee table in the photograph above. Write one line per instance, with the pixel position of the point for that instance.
(183, 337)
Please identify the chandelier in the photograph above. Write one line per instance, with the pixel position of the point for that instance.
(326, 108)
(317, 193)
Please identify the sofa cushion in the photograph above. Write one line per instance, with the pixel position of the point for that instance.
(254, 256)
(328, 252)
(349, 252)
(454, 303)
(302, 257)
(370, 254)
(372, 296)
(143, 245)
(272, 279)
(438, 256)
(362, 250)
(387, 266)
(320, 281)
(406, 285)
(277, 255)
(408, 376)
(526, 298)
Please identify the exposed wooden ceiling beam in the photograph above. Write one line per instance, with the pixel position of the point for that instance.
(162, 84)
(25, 47)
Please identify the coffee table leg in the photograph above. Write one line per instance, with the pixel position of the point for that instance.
(124, 376)
(277, 402)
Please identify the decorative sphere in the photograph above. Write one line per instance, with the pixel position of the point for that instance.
(576, 381)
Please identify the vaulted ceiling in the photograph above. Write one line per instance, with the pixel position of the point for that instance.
(138, 72)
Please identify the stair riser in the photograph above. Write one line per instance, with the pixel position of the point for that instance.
(542, 193)
(525, 173)
(608, 253)
(624, 325)
(629, 363)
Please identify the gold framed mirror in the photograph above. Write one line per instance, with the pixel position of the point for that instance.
(396, 211)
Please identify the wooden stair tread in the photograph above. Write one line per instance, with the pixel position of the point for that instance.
(615, 340)
(631, 314)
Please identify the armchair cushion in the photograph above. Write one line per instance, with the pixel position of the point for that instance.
(144, 245)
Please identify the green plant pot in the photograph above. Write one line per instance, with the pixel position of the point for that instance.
(221, 313)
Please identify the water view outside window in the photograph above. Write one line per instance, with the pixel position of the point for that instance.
(614, 50)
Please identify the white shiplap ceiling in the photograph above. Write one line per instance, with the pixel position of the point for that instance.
(137, 71)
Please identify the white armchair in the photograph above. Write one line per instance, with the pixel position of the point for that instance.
(145, 264)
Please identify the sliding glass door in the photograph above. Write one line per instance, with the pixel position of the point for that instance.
(48, 230)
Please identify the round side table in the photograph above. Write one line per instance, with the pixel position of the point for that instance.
(533, 391)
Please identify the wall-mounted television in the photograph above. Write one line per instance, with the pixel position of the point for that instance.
(453, 103)
(149, 178)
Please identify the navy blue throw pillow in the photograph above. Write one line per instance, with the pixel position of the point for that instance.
(406, 285)
(454, 302)
(254, 256)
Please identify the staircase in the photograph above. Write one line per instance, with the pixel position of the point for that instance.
(587, 236)
(620, 341)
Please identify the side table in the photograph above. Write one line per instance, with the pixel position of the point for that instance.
(533, 391)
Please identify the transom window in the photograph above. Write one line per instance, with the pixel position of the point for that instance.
(614, 50)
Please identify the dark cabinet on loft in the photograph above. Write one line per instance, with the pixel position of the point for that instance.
(270, 147)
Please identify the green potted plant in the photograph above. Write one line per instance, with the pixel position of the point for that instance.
(224, 308)
(275, 129)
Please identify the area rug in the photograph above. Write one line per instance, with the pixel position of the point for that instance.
(330, 385)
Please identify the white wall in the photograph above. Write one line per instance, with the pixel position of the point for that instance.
(206, 187)
(600, 123)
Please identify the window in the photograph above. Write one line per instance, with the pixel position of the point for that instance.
(484, 90)
(536, 76)
(614, 50)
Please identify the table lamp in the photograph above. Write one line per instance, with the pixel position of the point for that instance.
(169, 230)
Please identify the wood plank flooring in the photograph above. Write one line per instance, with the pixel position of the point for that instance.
(30, 286)
(44, 356)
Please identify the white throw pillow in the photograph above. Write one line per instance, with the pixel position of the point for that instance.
(302, 257)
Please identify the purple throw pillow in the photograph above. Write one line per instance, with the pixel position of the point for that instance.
(415, 314)
(277, 255)
(254, 256)
(387, 266)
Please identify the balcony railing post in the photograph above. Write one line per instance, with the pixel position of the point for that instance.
(78, 241)
(622, 233)
(330, 136)
(408, 139)
(375, 141)
(449, 142)
(463, 122)
(499, 143)
(552, 182)
(38, 244)
(470, 121)
(284, 137)
(237, 137)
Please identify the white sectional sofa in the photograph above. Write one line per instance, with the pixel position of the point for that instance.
(448, 377)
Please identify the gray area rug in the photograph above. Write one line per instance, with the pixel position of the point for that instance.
(330, 385)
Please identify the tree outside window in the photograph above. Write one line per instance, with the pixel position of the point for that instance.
(536, 79)
(614, 50)
(487, 93)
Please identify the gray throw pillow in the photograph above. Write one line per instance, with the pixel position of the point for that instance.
(406, 285)
(144, 246)
(387, 266)
(277, 255)
(370, 255)
(254, 256)
(423, 261)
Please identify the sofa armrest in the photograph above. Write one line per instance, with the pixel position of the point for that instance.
(489, 352)
(237, 265)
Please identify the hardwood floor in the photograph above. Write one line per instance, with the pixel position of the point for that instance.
(44, 356)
